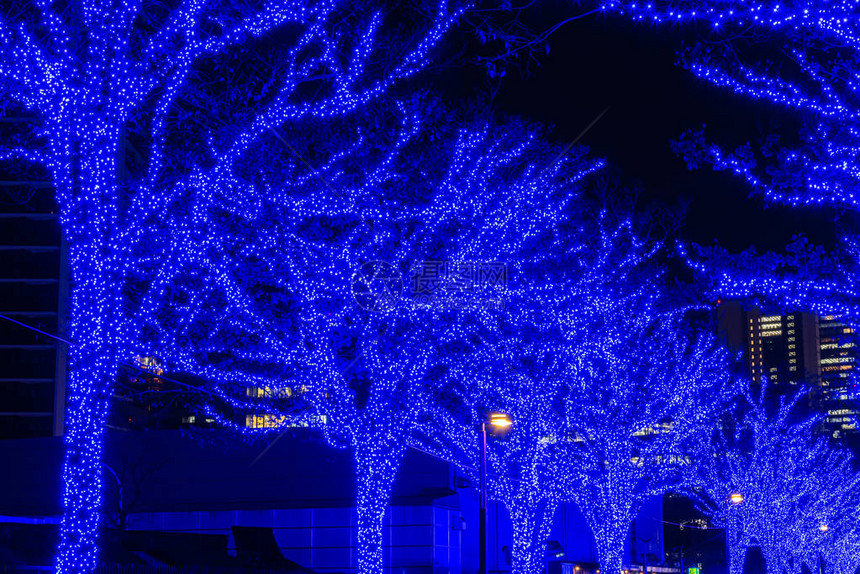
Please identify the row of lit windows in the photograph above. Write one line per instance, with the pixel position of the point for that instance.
(837, 360)
(278, 421)
(191, 419)
(827, 346)
(268, 392)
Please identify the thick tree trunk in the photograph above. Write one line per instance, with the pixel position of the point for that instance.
(609, 541)
(531, 525)
(90, 220)
(87, 406)
(376, 469)
(772, 561)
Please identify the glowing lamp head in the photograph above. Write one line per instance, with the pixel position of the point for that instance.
(500, 420)
(824, 528)
(736, 498)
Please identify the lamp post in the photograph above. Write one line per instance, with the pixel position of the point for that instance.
(823, 528)
(498, 421)
(735, 499)
(646, 543)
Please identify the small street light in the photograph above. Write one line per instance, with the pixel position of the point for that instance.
(735, 499)
(500, 421)
(823, 527)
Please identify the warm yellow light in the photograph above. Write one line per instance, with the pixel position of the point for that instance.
(501, 420)
(824, 528)
(736, 498)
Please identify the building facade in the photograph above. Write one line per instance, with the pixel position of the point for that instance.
(793, 349)
(837, 394)
(33, 293)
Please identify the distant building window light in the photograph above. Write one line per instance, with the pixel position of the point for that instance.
(268, 392)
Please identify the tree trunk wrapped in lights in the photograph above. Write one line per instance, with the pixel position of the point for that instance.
(377, 460)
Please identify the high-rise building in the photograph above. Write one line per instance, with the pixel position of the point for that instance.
(33, 288)
(837, 396)
(799, 348)
(781, 349)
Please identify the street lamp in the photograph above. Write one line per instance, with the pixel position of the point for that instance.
(499, 421)
(823, 528)
(735, 499)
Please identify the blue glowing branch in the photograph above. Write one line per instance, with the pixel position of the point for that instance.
(805, 277)
(836, 18)
(817, 79)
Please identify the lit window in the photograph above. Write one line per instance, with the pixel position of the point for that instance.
(263, 421)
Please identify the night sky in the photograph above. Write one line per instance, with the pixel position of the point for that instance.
(605, 61)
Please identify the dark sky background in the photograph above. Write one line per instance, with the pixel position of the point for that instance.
(605, 61)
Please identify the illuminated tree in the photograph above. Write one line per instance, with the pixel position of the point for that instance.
(519, 360)
(842, 553)
(107, 83)
(741, 472)
(330, 294)
(826, 533)
(644, 390)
